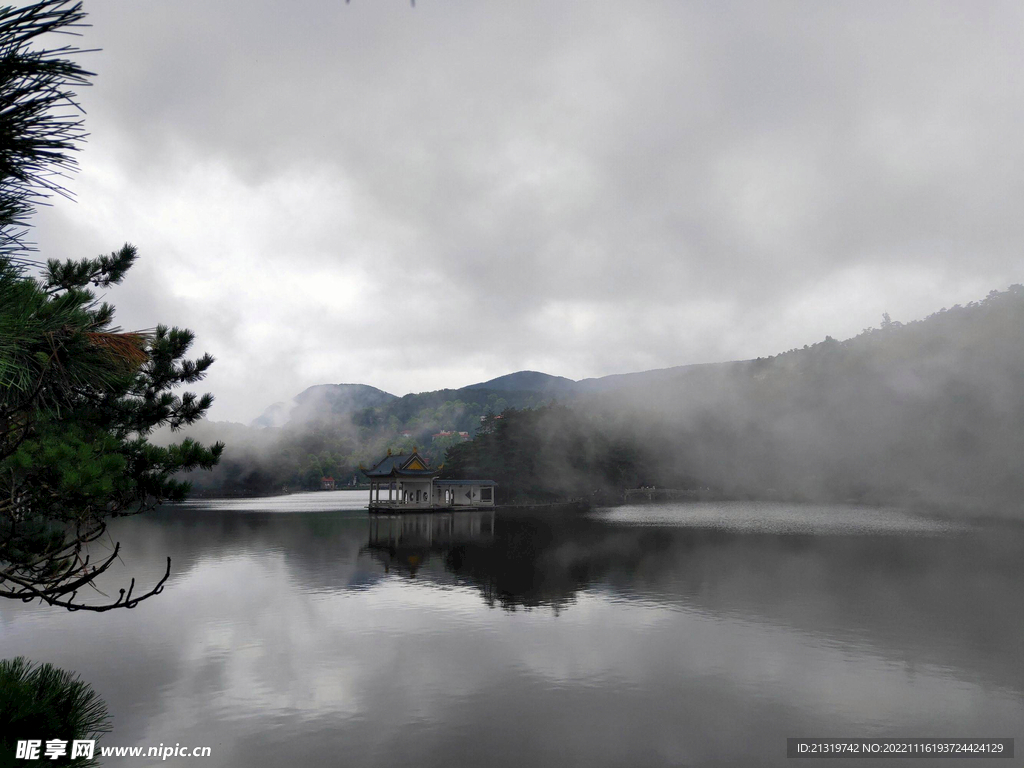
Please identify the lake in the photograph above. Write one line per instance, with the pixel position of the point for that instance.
(296, 630)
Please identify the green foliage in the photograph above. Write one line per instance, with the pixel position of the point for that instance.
(78, 396)
(81, 399)
(545, 454)
(40, 701)
(297, 456)
(39, 119)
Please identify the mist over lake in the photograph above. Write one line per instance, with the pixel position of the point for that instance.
(298, 631)
(598, 384)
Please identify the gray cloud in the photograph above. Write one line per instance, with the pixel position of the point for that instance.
(418, 198)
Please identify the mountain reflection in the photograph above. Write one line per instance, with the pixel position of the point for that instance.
(670, 619)
(950, 599)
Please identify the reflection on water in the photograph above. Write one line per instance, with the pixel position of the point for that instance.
(665, 634)
(406, 541)
(311, 501)
(779, 517)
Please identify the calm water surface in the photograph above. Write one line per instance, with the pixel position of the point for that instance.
(296, 631)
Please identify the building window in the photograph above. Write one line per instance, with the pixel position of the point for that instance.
(485, 494)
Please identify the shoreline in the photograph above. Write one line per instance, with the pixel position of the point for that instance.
(973, 509)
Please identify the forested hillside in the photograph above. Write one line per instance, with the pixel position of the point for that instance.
(329, 430)
(929, 411)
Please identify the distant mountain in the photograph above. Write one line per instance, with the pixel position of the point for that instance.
(926, 414)
(657, 376)
(544, 383)
(275, 415)
(317, 402)
(522, 389)
(527, 381)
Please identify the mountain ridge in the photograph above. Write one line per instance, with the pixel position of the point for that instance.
(925, 410)
(331, 399)
(527, 381)
(322, 399)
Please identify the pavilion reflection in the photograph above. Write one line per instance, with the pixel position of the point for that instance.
(405, 542)
(503, 554)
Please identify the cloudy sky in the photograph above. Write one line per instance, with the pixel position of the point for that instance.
(427, 197)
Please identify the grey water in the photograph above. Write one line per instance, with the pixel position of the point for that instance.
(299, 631)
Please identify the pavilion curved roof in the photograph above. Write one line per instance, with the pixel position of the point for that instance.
(401, 465)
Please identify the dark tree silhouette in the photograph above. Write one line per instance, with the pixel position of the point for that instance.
(78, 396)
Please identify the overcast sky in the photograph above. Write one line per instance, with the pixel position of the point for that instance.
(427, 197)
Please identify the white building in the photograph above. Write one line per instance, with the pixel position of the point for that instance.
(405, 482)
